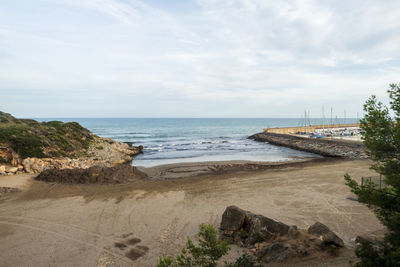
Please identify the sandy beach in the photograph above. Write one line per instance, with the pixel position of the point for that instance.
(85, 225)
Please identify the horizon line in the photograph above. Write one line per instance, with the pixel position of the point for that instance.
(188, 118)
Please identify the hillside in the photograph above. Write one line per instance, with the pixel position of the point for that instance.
(34, 146)
(29, 138)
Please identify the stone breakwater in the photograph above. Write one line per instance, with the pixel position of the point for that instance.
(325, 147)
(102, 152)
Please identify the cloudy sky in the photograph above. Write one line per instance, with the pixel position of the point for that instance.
(197, 58)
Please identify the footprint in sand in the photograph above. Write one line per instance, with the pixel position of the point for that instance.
(133, 251)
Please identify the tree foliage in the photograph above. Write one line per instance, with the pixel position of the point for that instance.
(381, 136)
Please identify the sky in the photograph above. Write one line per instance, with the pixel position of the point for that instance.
(196, 58)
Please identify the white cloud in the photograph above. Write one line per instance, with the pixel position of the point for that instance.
(268, 56)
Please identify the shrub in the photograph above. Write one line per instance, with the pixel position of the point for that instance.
(206, 254)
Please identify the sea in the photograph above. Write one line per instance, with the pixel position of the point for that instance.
(176, 140)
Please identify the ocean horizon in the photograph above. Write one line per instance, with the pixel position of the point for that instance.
(177, 140)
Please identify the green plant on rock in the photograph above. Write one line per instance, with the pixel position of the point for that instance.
(206, 254)
(381, 136)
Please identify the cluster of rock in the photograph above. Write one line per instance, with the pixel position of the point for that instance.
(325, 147)
(102, 152)
(272, 241)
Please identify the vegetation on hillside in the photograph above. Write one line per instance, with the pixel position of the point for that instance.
(382, 138)
(30, 138)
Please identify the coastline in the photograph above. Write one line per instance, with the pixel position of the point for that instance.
(87, 213)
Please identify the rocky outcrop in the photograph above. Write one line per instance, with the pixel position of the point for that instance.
(112, 152)
(321, 146)
(103, 152)
(273, 241)
(32, 146)
(123, 173)
(35, 165)
(106, 154)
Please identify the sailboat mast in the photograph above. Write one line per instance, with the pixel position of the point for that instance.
(323, 119)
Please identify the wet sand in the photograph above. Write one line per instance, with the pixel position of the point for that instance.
(133, 224)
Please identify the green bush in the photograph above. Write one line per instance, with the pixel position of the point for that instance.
(206, 254)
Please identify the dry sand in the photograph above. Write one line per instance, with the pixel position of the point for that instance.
(132, 224)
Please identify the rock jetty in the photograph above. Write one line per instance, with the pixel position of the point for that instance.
(273, 241)
(325, 147)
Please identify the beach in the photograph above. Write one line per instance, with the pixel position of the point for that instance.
(64, 225)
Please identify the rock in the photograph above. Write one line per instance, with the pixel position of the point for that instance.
(325, 234)
(2, 169)
(272, 241)
(245, 228)
(33, 165)
(232, 219)
(11, 169)
(20, 167)
(276, 252)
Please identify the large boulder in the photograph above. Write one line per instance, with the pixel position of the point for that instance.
(33, 165)
(325, 234)
(245, 228)
(232, 219)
